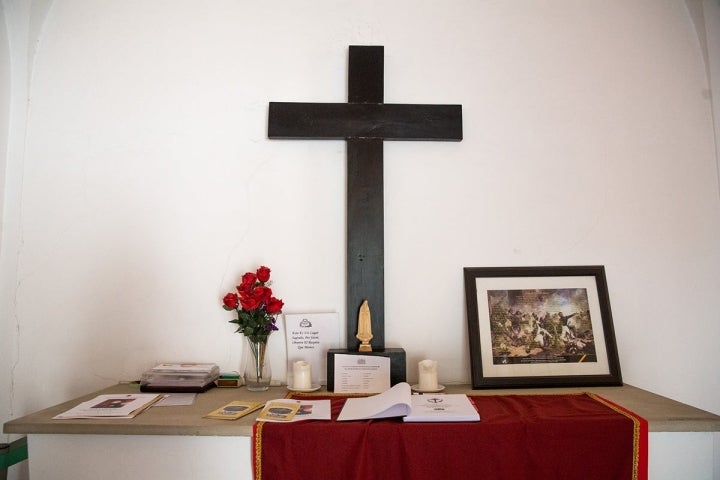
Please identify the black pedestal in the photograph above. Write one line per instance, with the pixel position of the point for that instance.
(398, 371)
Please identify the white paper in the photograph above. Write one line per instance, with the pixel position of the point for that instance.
(309, 336)
(361, 373)
(394, 402)
(455, 407)
(309, 410)
(176, 399)
(122, 405)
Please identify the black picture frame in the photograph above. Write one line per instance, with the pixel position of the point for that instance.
(522, 333)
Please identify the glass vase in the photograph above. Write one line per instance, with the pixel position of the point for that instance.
(257, 365)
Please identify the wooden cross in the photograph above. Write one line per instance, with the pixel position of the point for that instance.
(365, 122)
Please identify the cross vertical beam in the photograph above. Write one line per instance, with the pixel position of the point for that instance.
(365, 237)
(365, 217)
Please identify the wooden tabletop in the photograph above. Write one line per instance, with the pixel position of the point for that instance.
(662, 414)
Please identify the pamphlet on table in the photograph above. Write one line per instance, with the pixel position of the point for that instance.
(114, 405)
(306, 410)
(234, 410)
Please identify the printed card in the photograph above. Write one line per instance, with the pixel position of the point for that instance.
(234, 410)
(279, 411)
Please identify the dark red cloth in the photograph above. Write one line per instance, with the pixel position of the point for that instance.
(580, 436)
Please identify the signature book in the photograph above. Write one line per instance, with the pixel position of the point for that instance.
(398, 401)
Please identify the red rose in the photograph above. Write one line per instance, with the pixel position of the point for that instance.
(274, 305)
(247, 283)
(249, 302)
(231, 300)
(263, 274)
(261, 294)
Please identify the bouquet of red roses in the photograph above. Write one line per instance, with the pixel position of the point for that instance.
(256, 308)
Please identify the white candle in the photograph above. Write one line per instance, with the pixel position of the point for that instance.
(302, 375)
(428, 375)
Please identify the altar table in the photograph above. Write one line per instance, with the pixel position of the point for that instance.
(170, 443)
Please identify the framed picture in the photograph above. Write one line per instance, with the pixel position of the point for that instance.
(540, 327)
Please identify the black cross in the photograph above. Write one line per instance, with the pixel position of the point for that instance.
(364, 122)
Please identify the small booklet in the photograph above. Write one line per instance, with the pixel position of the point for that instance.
(115, 405)
(399, 402)
(234, 410)
(307, 410)
(454, 407)
(279, 411)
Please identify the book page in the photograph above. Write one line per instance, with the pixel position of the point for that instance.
(394, 402)
(442, 408)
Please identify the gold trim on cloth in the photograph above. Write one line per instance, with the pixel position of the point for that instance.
(258, 450)
(636, 429)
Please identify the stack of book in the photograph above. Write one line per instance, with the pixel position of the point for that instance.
(180, 377)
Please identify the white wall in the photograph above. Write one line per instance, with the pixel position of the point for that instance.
(146, 184)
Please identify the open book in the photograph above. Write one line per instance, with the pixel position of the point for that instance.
(399, 402)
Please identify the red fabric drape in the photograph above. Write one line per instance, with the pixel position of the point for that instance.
(580, 436)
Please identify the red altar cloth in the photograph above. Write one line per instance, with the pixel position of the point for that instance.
(580, 436)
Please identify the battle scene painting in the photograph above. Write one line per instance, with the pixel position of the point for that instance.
(541, 326)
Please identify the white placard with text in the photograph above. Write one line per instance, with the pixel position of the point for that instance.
(361, 373)
(309, 336)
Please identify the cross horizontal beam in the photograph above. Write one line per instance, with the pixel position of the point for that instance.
(387, 121)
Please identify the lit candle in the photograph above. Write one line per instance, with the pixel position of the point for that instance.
(428, 375)
(302, 375)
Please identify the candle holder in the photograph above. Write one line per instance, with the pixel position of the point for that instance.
(428, 378)
(302, 377)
